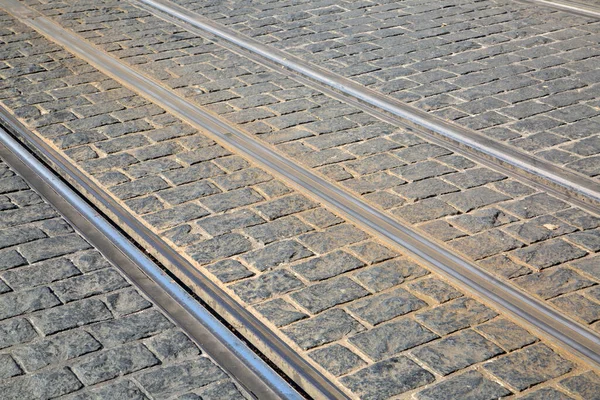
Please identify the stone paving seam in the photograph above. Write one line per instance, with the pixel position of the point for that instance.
(325, 316)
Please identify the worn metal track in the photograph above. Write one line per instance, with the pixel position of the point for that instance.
(531, 312)
(574, 7)
(571, 185)
(229, 351)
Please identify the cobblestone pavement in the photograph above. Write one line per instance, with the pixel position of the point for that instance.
(322, 284)
(540, 243)
(71, 326)
(521, 74)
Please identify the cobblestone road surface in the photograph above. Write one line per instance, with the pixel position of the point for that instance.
(521, 74)
(542, 244)
(369, 317)
(71, 324)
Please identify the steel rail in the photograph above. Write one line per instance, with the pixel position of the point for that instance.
(572, 184)
(232, 354)
(492, 163)
(574, 7)
(533, 313)
(254, 331)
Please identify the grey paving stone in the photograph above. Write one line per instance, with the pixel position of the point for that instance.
(422, 170)
(389, 339)
(534, 206)
(547, 394)
(389, 273)
(457, 314)
(471, 385)
(530, 366)
(586, 385)
(333, 238)
(456, 352)
(579, 218)
(188, 375)
(385, 306)
(266, 286)
(44, 249)
(553, 282)
(549, 253)
(115, 362)
(540, 228)
(504, 266)
(219, 247)
(326, 327)
(10, 259)
(276, 254)
(578, 307)
(87, 285)
(425, 188)
(221, 391)
(280, 312)
(589, 240)
(19, 235)
(435, 289)
(90, 261)
(279, 229)
(337, 359)
(229, 270)
(129, 328)
(44, 385)
(327, 266)
(485, 244)
(285, 206)
(220, 224)
(425, 210)
(373, 252)
(442, 230)
(188, 192)
(25, 215)
(126, 302)
(387, 378)
(26, 301)
(590, 266)
(506, 334)
(474, 177)
(8, 367)
(40, 273)
(243, 178)
(122, 389)
(421, 152)
(374, 163)
(16, 331)
(473, 198)
(56, 349)
(322, 296)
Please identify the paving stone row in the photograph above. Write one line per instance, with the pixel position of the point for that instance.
(71, 326)
(540, 243)
(521, 74)
(321, 283)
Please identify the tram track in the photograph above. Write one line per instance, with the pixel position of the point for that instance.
(574, 7)
(585, 192)
(540, 317)
(249, 368)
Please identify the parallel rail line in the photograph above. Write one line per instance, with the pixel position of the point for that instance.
(571, 185)
(575, 7)
(229, 351)
(536, 315)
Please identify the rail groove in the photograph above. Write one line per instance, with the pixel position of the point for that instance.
(524, 165)
(221, 344)
(575, 7)
(531, 312)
